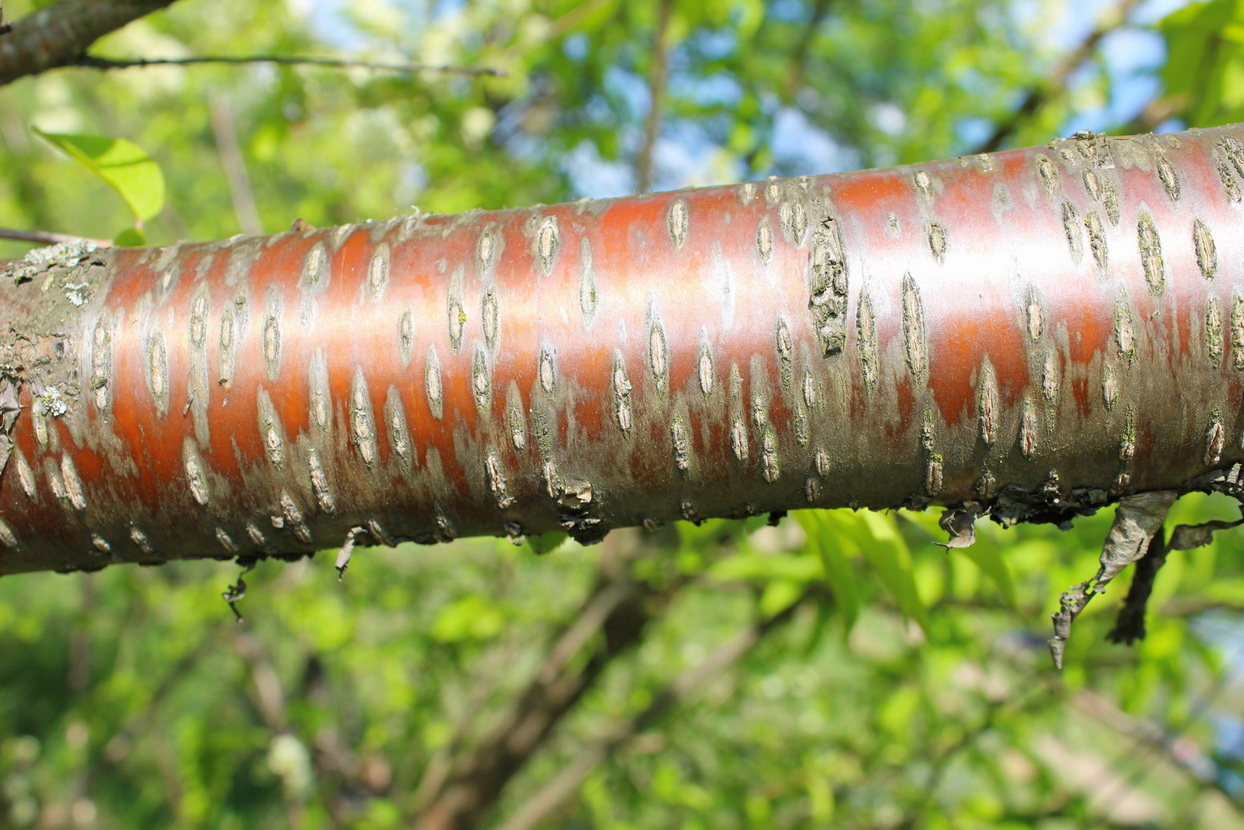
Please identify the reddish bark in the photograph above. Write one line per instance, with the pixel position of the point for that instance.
(1041, 331)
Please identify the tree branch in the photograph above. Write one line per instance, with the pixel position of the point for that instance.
(92, 62)
(657, 79)
(799, 58)
(1055, 86)
(538, 809)
(612, 621)
(60, 34)
(48, 237)
(225, 132)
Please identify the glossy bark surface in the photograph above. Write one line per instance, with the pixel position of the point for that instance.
(1040, 331)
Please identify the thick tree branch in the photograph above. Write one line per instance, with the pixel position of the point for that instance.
(59, 35)
(1037, 333)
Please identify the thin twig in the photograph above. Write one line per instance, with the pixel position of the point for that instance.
(92, 62)
(243, 196)
(538, 809)
(49, 238)
(1152, 739)
(799, 58)
(1055, 86)
(657, 79)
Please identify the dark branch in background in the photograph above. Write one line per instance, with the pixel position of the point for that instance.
(539, 808)
(224, 130)
(47, 237)
(657, 79)
(1131, 621)
(799, 58)
(60, 34)
(91, 62)
(1055, 86)
(1130, 624)
(610, 622)
(792, 81)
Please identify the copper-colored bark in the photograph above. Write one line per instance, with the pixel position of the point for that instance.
(1041, 331)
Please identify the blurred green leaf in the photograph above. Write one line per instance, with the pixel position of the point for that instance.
(119, 162)
(885, 549)
(547, 542)
(778, 595)
(130, 238)
(839, 575)
(471, 617)
(993, 564)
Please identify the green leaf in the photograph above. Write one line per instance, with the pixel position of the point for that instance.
(472, 617)
(819, 526)
(547, 542)
(886, 551)
(991, 563)
(130, 238)
(122, 164)
(778, 596)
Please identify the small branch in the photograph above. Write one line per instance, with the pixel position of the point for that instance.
(1055, 86)
(540, 807)
(49, 238)
(611, 621)
(799, 58)
(1151, 739)
(243, 196)
(91, 62)
(657, 79)
(269, 694)
(1130, 624)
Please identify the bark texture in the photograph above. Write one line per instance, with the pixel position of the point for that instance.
(1035, 333)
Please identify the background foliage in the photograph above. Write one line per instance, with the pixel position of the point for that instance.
(837, 668)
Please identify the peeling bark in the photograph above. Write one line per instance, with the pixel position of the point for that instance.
(1029, 335)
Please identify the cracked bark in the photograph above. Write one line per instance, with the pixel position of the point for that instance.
(1028, 335)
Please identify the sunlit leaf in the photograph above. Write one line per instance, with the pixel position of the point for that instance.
(779, 595)
(886, 551)
(130, 238)
(122, 164)
(839, 575)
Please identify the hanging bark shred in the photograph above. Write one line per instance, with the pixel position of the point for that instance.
(1037, 333)
(1137, 521)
